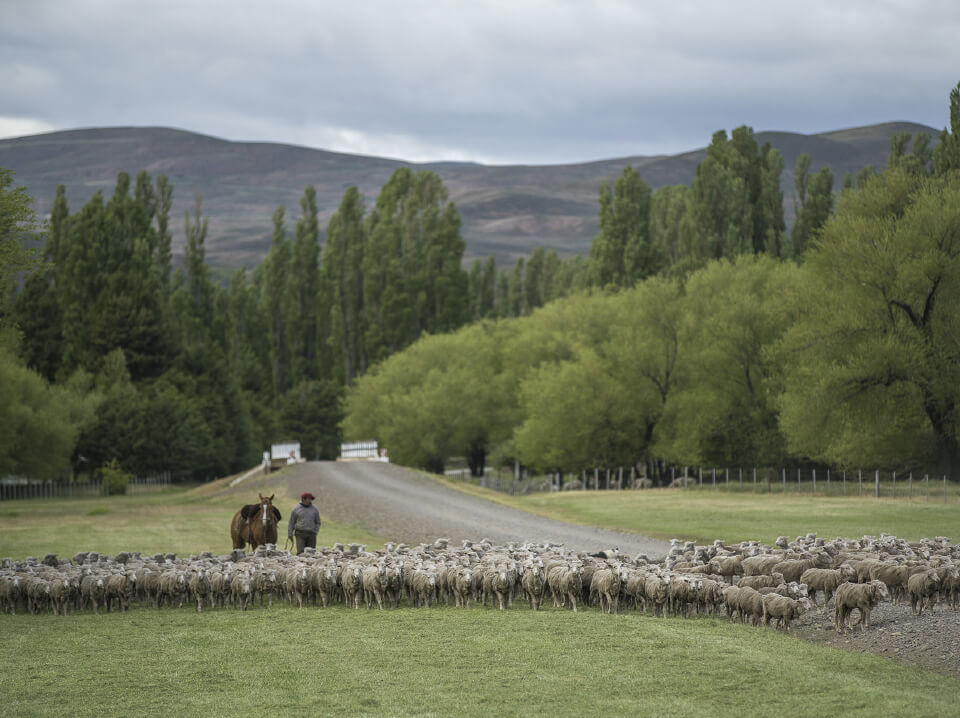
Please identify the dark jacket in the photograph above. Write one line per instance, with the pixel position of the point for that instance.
(303, 518)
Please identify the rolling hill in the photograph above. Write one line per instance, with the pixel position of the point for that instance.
(506, 210)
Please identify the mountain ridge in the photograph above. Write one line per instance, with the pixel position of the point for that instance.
(507, 210)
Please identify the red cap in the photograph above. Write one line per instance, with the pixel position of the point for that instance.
(307, 495)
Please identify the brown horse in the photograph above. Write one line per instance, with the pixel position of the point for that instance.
(255, 524)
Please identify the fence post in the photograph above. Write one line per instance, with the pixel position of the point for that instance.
(876, 483)
(714, 477)
(754, 478)
(910, 485)
(926, 483)
(798, 479)
(844, 483)
(859, 483)
(784, 480)
(814, 482)
(726, 474)
(894, 484)
(700, 471)
(944, 488)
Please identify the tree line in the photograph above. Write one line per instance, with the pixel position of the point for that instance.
(109, 350)
(839, 344)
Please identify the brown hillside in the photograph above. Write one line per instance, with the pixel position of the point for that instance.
(506, 210)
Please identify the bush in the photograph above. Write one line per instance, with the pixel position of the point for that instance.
(115, 479)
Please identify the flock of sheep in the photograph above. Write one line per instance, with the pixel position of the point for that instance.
(749, 581)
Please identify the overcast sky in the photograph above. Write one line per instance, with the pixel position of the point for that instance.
(492, 81)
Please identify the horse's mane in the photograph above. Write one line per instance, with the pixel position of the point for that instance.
(250, 510)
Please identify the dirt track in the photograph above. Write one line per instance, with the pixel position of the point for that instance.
(407, 507)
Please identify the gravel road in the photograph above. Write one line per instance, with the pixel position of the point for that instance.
(407, 507)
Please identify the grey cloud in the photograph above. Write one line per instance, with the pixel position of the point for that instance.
(531, 81)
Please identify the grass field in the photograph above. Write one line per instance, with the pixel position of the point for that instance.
(176, 520)
(703, 515)
(440, 661)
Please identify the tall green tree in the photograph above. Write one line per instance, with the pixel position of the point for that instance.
(18, 224)
(877, 383)
(946, 155)
(341, 296)
(276, 306)
(304, 287)
(622, 252)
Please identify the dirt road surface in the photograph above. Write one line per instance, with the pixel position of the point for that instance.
(407, 507)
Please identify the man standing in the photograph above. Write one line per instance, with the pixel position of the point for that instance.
(304, 523)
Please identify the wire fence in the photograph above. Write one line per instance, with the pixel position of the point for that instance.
(13, 488)
(797, 481)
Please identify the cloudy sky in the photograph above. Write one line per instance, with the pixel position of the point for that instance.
(492, 81)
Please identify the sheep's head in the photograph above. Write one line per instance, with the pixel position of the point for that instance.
(881, 591)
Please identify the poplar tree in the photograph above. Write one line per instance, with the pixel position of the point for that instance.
(304, 285)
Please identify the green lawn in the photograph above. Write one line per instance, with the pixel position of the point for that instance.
(706, 514)
(440, 662)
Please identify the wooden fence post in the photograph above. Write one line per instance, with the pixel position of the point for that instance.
(814, 482)
(876, 483)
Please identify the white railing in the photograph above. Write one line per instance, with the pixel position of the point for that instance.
(362, 451)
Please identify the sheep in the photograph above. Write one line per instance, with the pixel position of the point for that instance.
(728, 566)
(657, 591)
(92, 591)
(731, 601)
(351, 581)
(606, 584)
(921, 588)
(323, 579)
(863, 597)
(709, 596)
(634, 589)
(373, 579)
(220, 589)
(758, 565)
(501, 583)
(681, 594)
(566, 584)
(296, 585)
(117, 588)
(61, 594)
(199, 585)
(750, 605)
(826, 580)
(11, 593)
(792, 569)
(241, 590)
(424, 585)
(894, 576)
(173, 589)
(783, 609)
(532, 582)
(37, 592)
(762, 580)
(263, 585)
(463, 588)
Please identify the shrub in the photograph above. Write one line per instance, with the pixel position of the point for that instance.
(115, 479)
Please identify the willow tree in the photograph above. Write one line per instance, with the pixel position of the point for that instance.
(875, 359)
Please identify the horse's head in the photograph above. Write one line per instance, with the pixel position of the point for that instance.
(266, 511)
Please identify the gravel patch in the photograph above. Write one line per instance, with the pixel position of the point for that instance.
(408, 507)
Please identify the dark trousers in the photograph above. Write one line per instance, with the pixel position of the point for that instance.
(304, 539)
